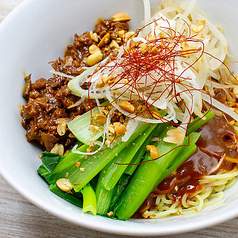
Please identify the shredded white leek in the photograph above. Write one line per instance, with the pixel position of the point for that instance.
(192, 72)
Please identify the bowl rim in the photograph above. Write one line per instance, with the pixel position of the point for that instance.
(102, 226)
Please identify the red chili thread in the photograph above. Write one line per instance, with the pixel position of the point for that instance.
(138, 64)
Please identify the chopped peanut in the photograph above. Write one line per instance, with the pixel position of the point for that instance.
(146, 214)
(104, 40)
(89, 149)
(94, 58)
(58, 149)
(127, 106)
(108, 143)
(99, 118)
(93, 36)
(100, 84)
(120, 129)
(110, 214)
(61, 129)
(105, 78)
(121, 33)
(143, 47)
(154, 50)
(114, 45)
(64, 184)
(154, 152)
(111, 129)
(175, 136)
(94, 128)
(120, 16)
(93, 49)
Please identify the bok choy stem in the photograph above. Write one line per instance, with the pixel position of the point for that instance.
(92, 165)
(149, 174)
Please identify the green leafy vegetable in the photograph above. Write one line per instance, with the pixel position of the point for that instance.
(89, 199)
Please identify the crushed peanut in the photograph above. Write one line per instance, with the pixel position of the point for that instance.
(120, 129)
(94, 58)
(58, 149)
(108, 143)
(121, 16)
(114, 45)
(61, 129)
(89, 149)
(64, 184)
(100, 119)
(110, 214)
(146, 214)
(100, 84)
(111, 129)
(121, 33)
(93, 128)
(127, 106)
(175, 136)
(154, 152)
(93, 49)
(93, 36)
(105, 40)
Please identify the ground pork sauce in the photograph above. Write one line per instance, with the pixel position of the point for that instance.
(50, 99)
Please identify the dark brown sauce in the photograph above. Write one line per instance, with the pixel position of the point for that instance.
(217, 138)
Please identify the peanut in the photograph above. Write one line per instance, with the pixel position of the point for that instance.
(100, 118)
(104, 40)
(120, 16)
(120, 129)
(154, 152)
(89, 149)
(58, 149)
(114, 45)
(127, 106)
(175, 136)
(94, 58)
(121, 33)
(105, 78)
(93, 36)
(100, 84)
(61, 129)
(93, 49)
(64, 185)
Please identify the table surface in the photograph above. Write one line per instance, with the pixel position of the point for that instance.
(19, 218)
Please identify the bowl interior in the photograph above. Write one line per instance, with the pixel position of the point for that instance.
(36, 33)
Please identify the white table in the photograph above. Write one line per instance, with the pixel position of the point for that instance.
(19, 218)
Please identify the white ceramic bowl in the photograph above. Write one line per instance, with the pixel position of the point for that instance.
(34, 34)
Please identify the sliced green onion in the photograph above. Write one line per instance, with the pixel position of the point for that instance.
(80, 127)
